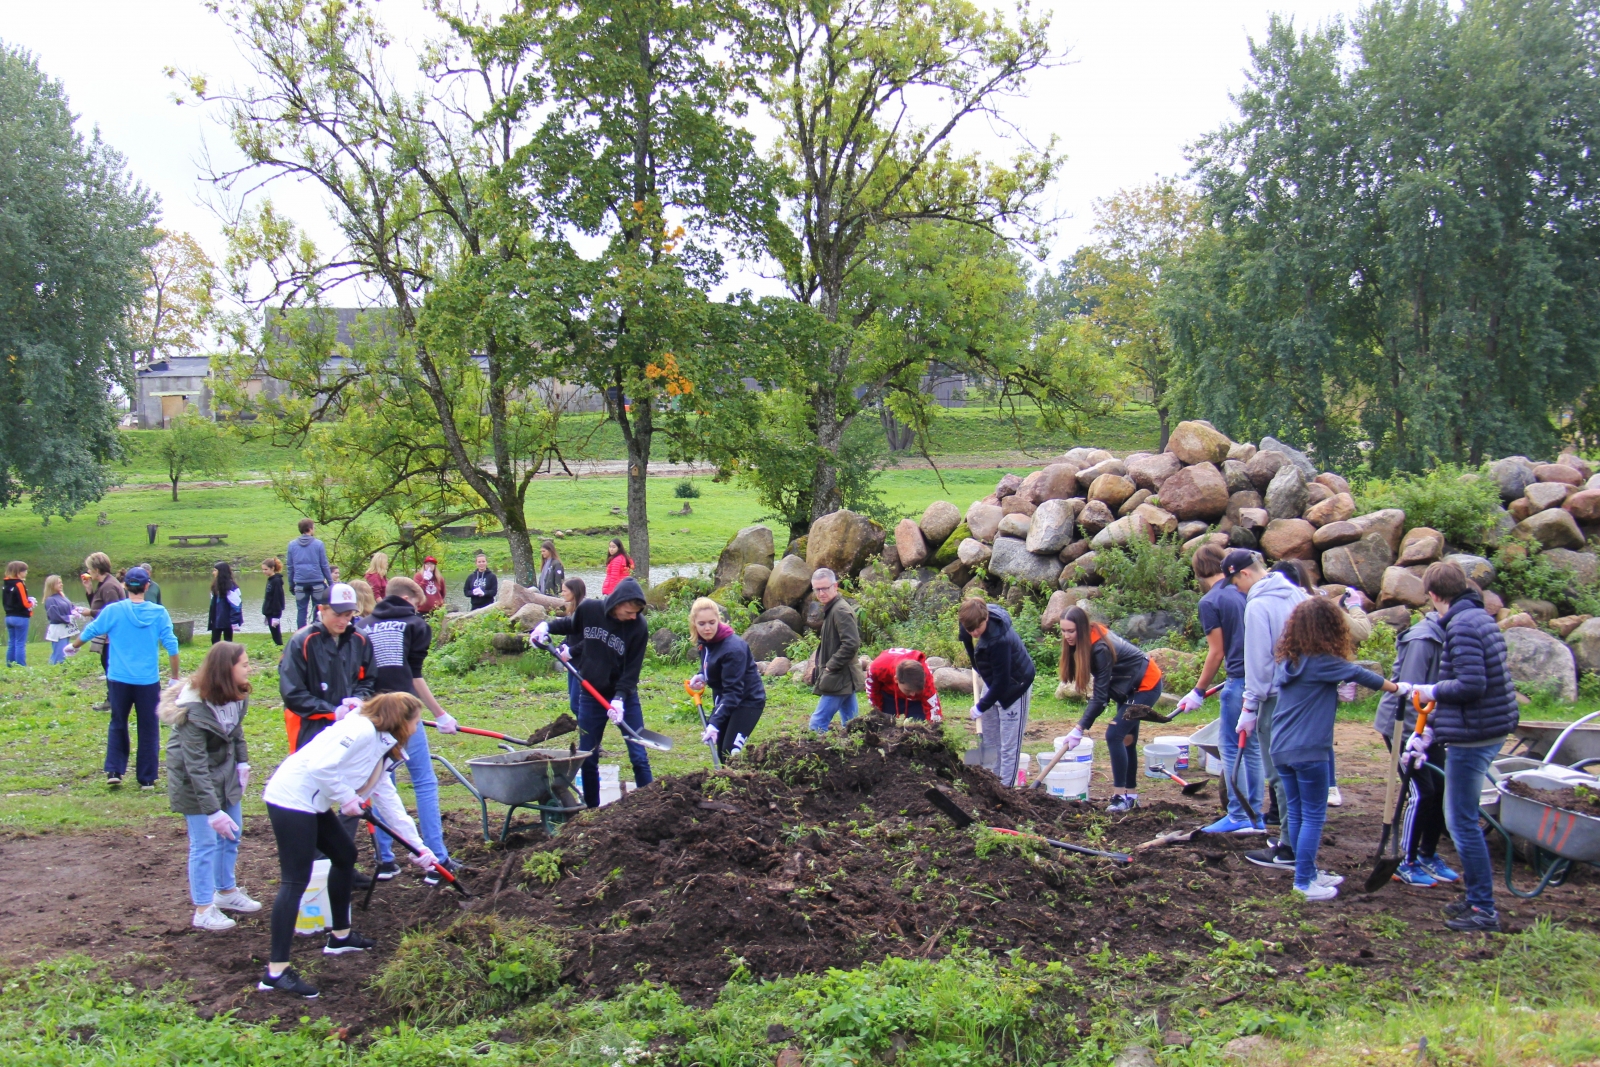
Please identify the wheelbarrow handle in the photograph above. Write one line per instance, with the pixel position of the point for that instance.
(443, 871)
(473, 730)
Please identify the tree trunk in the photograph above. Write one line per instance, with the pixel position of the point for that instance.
(1166, 429)
(524, 560)
(174, 490)
(637, 429)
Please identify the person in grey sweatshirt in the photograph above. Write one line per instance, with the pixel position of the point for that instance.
(1268, 600)
(309, 575)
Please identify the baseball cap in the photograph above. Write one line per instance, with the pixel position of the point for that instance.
(1237, 559)
(429, 559)
(136, 578)
(341, 597)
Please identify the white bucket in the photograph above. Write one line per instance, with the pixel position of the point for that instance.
(1022, 769)
(1069, 779)
(1213, 765)
(610, 783)
(1179, 743)
(1156, 754)
(316, 911)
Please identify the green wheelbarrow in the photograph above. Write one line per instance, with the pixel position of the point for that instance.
(534, 779)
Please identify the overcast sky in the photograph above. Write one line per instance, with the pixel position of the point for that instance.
(1144, 78)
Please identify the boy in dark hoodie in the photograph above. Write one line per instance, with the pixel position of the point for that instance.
(612, 637)
(1418, 650)
(1002, 661)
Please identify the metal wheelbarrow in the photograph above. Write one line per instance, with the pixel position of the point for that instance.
(536, 779)
(1577, 744)
(1558, 838)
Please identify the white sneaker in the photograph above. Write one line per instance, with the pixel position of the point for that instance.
(212, 919)
(235, 900)
(1328, 878)
(1335, 798)
(1317, 892)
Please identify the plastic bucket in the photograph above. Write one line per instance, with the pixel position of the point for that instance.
(1179, 743)
(1156, 754)
(316, 911)
(1069, 779)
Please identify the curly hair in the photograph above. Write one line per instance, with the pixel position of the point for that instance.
(1315, 628)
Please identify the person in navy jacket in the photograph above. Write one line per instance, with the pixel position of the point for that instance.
(729, 668)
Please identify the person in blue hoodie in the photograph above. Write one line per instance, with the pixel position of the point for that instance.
(309, 575)
(1313, 658)
(136, 631)
(729, 668)
(613, 637)
(1007, 670)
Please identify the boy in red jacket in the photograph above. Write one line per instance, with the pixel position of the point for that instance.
(900, 683)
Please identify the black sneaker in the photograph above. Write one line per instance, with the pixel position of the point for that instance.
(1277, 858)
(359, 880)
(1456, 907)
(113, 780)
(287, 982)
(1271, 817)
(351, 942)
(1476, 920)
(432, 875)
(388, 870)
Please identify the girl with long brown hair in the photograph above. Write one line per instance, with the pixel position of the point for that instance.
(1313, 658)
(1120, 673)
(332, 775)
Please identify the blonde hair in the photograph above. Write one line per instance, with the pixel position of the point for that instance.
(701, 604)
(98, 561)
(366, 599)
(380, 563)
(16, 568)
(52, 585)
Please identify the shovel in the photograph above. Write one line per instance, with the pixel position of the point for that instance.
(441, 869)
(1394, 795)
(1233, 781)
(1189, 788)
(1145, 713)
(647, 738)
(563, 725)
(696, 695)
(962, 819)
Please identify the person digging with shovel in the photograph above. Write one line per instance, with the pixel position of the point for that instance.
(327, 780)
(612, 638)
(1002, 662)
(728, 667)
(1097, 663)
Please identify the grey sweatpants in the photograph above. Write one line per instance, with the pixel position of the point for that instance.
(1003, 728)
(1264, 730)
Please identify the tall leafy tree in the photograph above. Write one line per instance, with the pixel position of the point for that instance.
(73, 230)
(174, 316)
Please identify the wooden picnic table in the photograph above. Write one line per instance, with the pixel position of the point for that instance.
(197, 540)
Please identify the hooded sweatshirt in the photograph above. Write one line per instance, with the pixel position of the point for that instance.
(730, 671)
(1416, 660)
(400, 642)
(612, 650)
(1266, 610)
(1001, 660)
(137, 631)
(1308, 701)
(306, 562)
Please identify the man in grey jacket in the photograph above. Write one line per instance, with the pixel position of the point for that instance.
(306, 562)
(837, 676)
(1269, 599)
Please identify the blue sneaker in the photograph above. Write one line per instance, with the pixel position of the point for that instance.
(1415, 874)
(1227, 825)
(1436, 867)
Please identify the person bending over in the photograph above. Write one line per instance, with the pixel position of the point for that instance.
(727, 666)
(1006, 669)
(900, 683)
(1120, 673)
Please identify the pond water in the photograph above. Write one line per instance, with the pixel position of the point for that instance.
(189, 596)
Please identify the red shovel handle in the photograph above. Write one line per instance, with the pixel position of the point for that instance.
(439, 868)
(570, 669)
(480, 733)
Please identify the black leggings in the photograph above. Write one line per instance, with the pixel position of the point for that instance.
(1122, 740)
(277, 632)
(741, 720)
(301, 835)
(222, 635)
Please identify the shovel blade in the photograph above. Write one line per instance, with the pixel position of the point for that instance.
(649, 739)
(1194, 787)
(1382, 874)
(937, 798)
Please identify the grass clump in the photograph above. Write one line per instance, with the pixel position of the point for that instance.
(478, 965)
(543, 867)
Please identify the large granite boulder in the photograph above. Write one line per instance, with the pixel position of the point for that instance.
(1420, 546)
(1132, 503)
(1243, 451)
(1151, 471)
(1237, 475)
(1017, 504)
(843, 541)
(1476, 568)
(1263, 467)
(788, 584)
(909, 543)
(1149, 626)
(1552, 529)
(769, 639)
(1340, 507)
(1401, 586)
(1050, 618)
(1288, 538)
(754, 583)
(1286, 493)
(1541, 660)
(784, 614)
(1008, 485)
(1112, 489)
(1335, 483)
(1053, 526)
(1513, 475)
(1585, 645)
(1584, 505)
(1543, 495)
(984, 520)
(1161, 522)
(1015, 525)
(1094, 517)
(1360, 564)
(1294, 455)
(1390, 522)
(1011, 559)
(1334, 534)
(973, 552)
(751, 546)
(1058, 481)
(1196, 492)
(1557, 472)
(1198, 442)
(939, 521)
(1121, 532)
(1082, 571)
(1584, 567)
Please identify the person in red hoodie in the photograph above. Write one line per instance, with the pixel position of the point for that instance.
(900, 683)
(619, 565)
(432, 584)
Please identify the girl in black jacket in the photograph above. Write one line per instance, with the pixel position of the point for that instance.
(1121, 673)
(728, 667)
(272, 604)
(227, 604)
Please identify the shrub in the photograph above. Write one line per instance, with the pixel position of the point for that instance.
(1380, 646)
(1520, 571)
(465, 643)
(1141, 576)
(1460, 504)
(479, 965)
(686, 490)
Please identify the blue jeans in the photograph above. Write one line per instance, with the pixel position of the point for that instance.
(17, 641)
(574, 692)
(592, 723)
(843, 703)
(58, 650)
(211, 857)
(306, 595)
(1464, 769)
(1122, 740)
(1305, 797)
(425, 786)
(1252, 779)
(142, 700)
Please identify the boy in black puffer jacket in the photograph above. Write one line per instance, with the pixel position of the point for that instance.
(1477, 708)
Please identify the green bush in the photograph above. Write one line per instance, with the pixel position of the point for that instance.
(686, 490)
(1520, 571)
(1459, 503)
(1380, 646)
(479, 965)
(463, 644)
(1141, 576)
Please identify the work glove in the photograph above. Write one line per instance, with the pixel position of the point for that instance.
(244, 775)
(446, 723)
(346, 706)
(1192, 700)
(274, 623)
(1424, 693)
(975, 713)
(709, 736)
(1416, 753)
(71, 650)
(541, 634)
(1403, 690)
(564, 653)
(223, 825)
(1347, 691)
(352, 807)
(697, 683)
(426, 860)
(1352, 599)
(1247, 722)
(614, 713)
(1074, 738)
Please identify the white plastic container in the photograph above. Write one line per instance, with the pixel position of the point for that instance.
(1181, 743)
(1213, 765)
(316, 909)
(610, 783)
(1069, 779)
(1156, 754)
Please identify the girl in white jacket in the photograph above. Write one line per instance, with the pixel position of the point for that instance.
(330, 776)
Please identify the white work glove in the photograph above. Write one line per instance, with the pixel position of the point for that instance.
(223, 825)
(71, 650)
(975, 713)
(426, 860)
(1247, 722)
(541, 634)
(1192, 700)
(346, 706)
(564, 653)
(446, 723)
(1403, 690)
(244, 774)
(274, 623)
(614, 713)
(1347, 691)
(351, 807)
(1352, 599)
(1424, 693)
(1416, 753)
(1074, 738)
(709, 737)
(697, 683)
